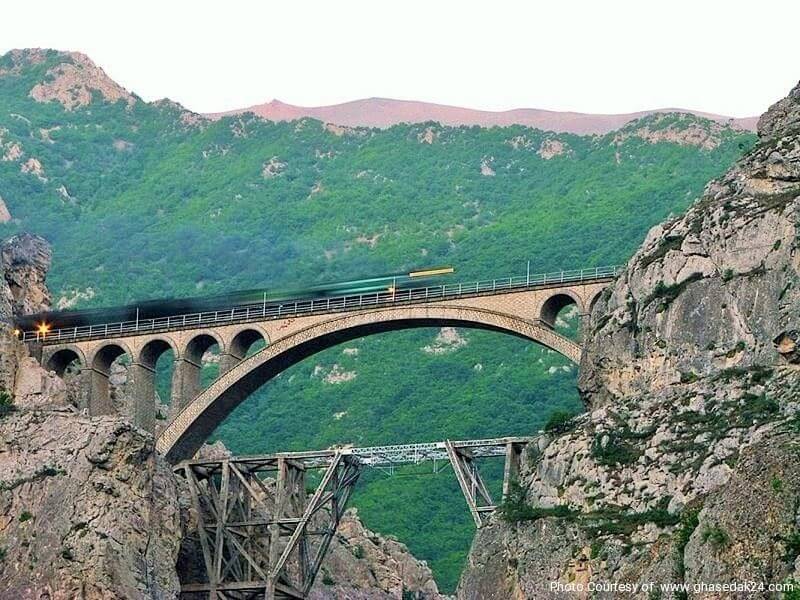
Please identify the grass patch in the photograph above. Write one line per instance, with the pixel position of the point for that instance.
(46, 471)
(667, 244)
(6, 403)
(791, 544)
(794, 592)
(560, 421)
(607, 521)
(515, 508)
(757, 374)
(716, 535)
(615, 451)
(666, 294)
(756, 409)
(739, 347)
(614, 521)
(690, 520)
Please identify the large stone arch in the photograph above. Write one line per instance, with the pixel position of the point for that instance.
(100, 365)
(195, 422)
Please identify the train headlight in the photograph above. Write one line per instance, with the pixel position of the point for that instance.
(43, 329)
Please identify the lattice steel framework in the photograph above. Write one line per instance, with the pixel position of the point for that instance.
(264, 539)
(262, 536)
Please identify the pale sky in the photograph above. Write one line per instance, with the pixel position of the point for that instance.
(602, 56)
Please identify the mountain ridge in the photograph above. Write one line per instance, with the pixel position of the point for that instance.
(73, 82)
(384, 112)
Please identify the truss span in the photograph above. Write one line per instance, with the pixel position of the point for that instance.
(268, 540)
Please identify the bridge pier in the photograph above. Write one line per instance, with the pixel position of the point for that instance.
(99, 400)
(185, 383)
(512, 464)
(143, 378)
(227, 361)
(81, 384)
(477, 495)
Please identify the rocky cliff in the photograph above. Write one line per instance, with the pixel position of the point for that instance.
(87, 508)
(686, 468)
(24, 262)
(364, 565)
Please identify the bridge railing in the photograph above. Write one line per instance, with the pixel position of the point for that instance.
(265, 310)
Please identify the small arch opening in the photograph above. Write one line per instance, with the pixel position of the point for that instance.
(198, 366)
(154, 382)
(64, 361)
(246, 343)
(68, 364)
(561, 313)
(110, 368)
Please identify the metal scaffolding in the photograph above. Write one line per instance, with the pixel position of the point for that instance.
(262, 536)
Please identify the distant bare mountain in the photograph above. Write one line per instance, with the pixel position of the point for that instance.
(385, 112)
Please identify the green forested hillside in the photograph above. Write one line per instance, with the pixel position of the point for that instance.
(147, 200)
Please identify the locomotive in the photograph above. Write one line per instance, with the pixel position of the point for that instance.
(152, 309)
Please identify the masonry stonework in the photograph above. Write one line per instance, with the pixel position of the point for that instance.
(529, 313)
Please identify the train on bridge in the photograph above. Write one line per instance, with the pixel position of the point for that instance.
(42, 323)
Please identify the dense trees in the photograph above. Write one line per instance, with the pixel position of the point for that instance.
(139, 203)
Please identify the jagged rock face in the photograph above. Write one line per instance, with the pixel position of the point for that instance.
(88, 510)
(24, 261)
(686, 468)
(713, 289)
(363, 565)
(742, 532)
(11, 353)
(782, 117)
(75, 80)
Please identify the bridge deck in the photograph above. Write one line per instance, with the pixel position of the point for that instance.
(330, 304)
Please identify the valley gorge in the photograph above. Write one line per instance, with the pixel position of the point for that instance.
(683, 468)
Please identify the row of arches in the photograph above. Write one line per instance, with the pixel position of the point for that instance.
(162, 374)
(138, 382)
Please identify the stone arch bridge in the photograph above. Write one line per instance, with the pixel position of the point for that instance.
(291, 331)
